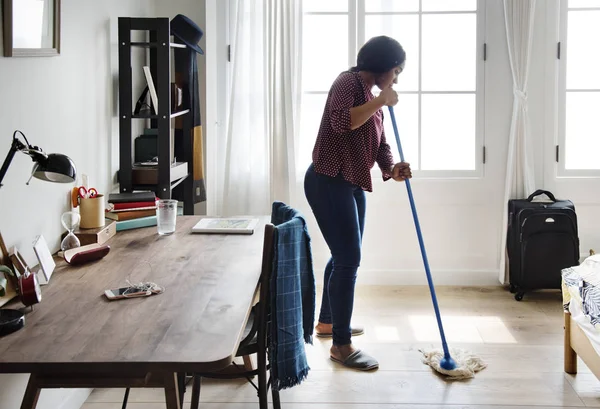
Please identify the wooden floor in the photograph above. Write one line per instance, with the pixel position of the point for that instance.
(520, 341)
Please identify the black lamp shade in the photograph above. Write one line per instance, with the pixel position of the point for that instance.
(55, 168)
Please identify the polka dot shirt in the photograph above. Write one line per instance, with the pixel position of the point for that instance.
(351, 153)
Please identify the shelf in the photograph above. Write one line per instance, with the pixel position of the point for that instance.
(154, 45)
(144, 116)
(148, 175)
(173, 115)
(174, 184)
(178, 181)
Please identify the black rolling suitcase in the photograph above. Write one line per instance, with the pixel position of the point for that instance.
(542, 239)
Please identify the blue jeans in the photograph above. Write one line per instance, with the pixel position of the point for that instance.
(339, 208)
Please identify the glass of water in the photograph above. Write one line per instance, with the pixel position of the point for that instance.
(166, 215)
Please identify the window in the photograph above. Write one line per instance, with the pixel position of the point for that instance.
(440, 109)
(579, 89)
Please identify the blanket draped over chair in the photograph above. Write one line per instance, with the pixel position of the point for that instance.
(292, 298)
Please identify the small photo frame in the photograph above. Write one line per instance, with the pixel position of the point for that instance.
(18, 261)
(47, 264)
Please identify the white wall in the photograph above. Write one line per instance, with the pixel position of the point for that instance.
(64, 104)
(461, 219)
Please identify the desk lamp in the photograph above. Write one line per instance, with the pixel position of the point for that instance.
(53, 167)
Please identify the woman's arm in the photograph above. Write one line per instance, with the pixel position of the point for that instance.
(399, 171)
(385, 160)
(360, 114)
(344, 116)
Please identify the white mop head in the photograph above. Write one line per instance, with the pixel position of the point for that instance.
(466, 363)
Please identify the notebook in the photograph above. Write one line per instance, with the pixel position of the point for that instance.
(226, 225)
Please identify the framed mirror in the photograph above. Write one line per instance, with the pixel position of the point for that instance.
(31, 28)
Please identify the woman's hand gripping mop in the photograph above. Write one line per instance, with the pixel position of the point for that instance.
(464, 364)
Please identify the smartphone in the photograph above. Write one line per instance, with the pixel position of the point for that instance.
(125, 292)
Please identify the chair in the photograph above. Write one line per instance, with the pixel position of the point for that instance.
(256, 336)
(280, 247)
(254, 340)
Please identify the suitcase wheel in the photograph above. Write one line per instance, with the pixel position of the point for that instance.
(519, 296)
(513, 288)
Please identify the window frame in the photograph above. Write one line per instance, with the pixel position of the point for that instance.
(561, 97)
(356, 31)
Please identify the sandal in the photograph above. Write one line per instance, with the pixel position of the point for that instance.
(358, 360)
(353, 331)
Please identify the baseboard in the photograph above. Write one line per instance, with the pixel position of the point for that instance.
(413, 277)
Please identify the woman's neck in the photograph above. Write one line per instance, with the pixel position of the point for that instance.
(368, 78)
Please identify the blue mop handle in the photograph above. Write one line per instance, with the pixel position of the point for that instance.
(418, 227)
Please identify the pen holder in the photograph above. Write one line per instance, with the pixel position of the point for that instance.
(92, 212)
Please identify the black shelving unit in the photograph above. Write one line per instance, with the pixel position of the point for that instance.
(161, 53)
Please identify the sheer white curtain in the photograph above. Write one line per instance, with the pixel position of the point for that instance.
(520, 177)
(262, 130)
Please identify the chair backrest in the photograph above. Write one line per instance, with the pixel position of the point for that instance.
(264, 303)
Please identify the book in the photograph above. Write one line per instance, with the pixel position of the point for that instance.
(151, 88)
(99, 235)
(130, 205)
(226, 225)
(134, 209)
(130, 215)
(136, 223)
(131, 197)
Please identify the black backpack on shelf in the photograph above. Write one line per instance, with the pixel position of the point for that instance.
(542, 239)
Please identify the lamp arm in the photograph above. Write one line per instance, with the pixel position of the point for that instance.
(14, 148)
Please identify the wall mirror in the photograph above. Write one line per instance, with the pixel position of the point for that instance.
(31, 27)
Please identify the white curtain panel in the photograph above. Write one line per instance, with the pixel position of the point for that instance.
(520, 177)
(284, 78)
(264, 103)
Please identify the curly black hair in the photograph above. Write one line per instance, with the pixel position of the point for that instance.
(379, 55)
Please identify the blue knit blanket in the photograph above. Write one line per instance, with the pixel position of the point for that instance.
(292, 298)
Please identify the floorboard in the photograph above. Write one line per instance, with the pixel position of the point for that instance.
(520, 341)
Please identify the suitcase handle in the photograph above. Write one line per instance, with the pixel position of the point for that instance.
(541, 192)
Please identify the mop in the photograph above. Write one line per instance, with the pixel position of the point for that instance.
(464, 364)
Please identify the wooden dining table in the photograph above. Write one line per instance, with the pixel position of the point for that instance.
(77, 338)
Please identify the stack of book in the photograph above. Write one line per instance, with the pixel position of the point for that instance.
(132, 210)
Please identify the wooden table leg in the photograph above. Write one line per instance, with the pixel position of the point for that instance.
(248, 362)
(196, 392)
(32, 393)
(171, 391)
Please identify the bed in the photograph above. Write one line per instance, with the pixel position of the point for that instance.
(581, 302)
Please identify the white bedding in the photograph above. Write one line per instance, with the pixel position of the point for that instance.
(581, 297)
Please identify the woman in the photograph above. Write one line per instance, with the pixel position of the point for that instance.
(350, 141)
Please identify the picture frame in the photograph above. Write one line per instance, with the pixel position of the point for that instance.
(41, 39)
(18, 262)
(47, 264)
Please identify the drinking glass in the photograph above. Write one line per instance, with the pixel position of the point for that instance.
(166, 212)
